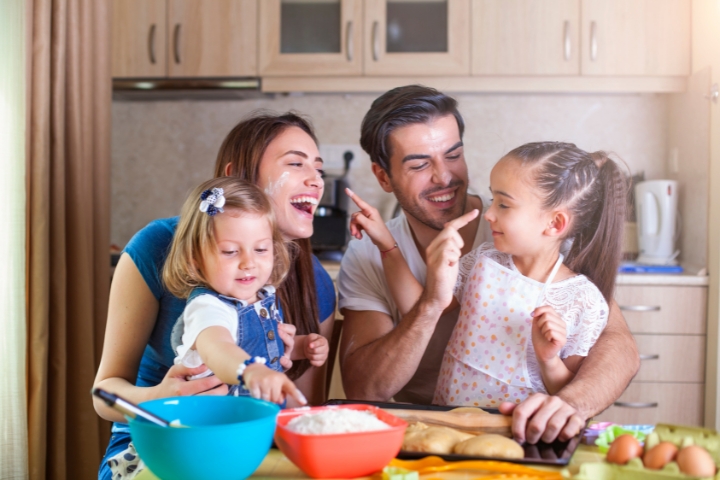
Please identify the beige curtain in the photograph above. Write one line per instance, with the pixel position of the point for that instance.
(68, 232)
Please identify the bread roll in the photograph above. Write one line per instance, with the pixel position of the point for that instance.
(439, 440)
(490, 445)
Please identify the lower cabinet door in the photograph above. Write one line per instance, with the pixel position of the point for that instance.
(651, 403)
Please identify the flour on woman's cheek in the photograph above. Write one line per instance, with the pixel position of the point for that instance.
(273, 187)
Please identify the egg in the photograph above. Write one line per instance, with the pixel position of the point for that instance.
(695, 461)
(659, 455)
(622, 449)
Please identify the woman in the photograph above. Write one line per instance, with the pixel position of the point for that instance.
(278, 153)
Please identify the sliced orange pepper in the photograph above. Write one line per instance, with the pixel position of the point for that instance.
(504, 469)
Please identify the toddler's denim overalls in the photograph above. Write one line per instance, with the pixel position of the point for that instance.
(257, 332)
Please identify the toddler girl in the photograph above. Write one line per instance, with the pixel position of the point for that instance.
(226, 258)
(527, 319)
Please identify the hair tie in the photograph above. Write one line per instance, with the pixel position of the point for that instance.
(212, 201)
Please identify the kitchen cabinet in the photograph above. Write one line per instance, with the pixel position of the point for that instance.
(417, 37)
(525, 37)
(401, 37)
(310, 37)
(138, 38)
(669, 325)
(635, 37)
(184, 38)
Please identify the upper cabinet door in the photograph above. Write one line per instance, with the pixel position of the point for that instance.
(138, 38)
(636, 37)
(215, 38)
(525, 37)
(417, 37)
(310, 37)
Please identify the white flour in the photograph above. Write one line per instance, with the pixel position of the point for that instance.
(336, 421)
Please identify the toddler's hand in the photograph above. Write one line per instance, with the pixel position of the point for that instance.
(287, 335)
(368, 219)
(269, 385)
(549, 333)
(316, 349)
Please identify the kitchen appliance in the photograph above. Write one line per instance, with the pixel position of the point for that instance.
(330, 229)
(656, 211)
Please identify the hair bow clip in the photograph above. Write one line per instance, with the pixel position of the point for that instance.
(212, 201)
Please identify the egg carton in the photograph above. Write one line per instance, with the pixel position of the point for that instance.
(634, 469)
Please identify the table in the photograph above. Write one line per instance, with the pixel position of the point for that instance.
(276, 466)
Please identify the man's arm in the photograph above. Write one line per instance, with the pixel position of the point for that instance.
(607, 370)
(377, 360)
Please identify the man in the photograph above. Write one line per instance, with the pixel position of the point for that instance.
(413, 135)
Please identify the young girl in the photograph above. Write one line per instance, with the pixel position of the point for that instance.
(226, 258)
(527, 319)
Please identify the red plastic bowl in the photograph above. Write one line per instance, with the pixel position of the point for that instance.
(340, 455)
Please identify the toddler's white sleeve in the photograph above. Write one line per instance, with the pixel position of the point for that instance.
(203, 312)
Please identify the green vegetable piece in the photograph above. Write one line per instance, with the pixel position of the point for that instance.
(397, 473)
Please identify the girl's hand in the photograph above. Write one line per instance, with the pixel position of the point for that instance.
(175, 383)
(271, 386)
(316, 349)
(549, 333)
(368, 219)
(287, 335)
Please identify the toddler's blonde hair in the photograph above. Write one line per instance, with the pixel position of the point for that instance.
(195, 235)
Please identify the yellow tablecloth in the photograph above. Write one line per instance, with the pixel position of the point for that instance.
(276, 466)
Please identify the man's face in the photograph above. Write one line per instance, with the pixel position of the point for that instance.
(428, 174)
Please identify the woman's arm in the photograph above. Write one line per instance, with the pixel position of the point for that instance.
(132, 312)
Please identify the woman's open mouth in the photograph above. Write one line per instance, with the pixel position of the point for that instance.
(304, 203)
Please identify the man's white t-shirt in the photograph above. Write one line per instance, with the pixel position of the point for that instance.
(362, 286)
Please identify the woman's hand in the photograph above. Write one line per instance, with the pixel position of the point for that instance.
(549, 333)
(269, 385)
(368, 219)
(287, 335)
(175, 383)
(316, 349)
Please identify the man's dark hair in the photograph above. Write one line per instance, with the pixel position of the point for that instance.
(399, 107)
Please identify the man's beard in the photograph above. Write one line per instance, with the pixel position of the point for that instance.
(413, 208)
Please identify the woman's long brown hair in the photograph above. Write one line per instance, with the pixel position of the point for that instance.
(594, 189)
(243, 149)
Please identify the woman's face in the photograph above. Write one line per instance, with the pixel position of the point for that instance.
(290, 174)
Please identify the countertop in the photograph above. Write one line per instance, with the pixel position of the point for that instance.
(691, 276)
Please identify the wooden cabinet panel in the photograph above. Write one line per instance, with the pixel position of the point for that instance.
(663, 309)
(212, 39)
(138, 38)
(651, 403)
(379, 61)
(671, 358)
(635, 37)
(525, 37)
(346, 61)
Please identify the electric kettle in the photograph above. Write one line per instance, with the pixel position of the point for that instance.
(656, 214)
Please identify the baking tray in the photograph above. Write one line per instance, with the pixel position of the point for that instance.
(555, 453)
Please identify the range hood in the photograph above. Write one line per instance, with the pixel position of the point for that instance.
(174, 88)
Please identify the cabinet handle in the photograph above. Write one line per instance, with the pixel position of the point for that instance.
(568, 46)
(650, 357)
(593, 41)
(640, 308)
(376, 41)
(176, 43)
(636, 404)
(349, 41)
(151, 43)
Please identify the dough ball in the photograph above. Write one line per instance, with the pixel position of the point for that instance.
(490, 445)
(468, 410)
(432, 439)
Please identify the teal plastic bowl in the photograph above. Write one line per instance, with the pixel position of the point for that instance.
(222, 437)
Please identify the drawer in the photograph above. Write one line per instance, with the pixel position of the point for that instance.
(671, 358)
(663, 309)
(651, 403)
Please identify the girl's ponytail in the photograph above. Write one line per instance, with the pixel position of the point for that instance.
(597, 246)
(593, 188)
